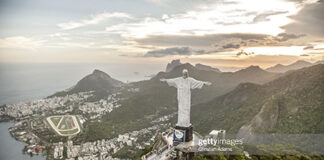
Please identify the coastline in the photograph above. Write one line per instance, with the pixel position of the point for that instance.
(10, 150)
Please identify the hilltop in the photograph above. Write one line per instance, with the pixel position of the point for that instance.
(98, 81)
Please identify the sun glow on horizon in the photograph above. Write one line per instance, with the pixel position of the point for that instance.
(282, 50)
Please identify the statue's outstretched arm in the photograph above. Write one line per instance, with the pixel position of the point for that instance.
(171, 82)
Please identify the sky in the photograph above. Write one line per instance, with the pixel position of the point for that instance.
(220, 33)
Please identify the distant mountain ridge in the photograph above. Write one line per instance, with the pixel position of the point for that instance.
(222, 82)
(292, 103)
(253, 74)
(279, 68)
(207, 68)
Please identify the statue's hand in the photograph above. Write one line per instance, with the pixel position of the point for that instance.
(208, 83)
(162, 80)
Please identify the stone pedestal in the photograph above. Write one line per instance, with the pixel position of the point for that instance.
(187, 131)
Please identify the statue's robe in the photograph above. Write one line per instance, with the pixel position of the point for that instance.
(184, 85)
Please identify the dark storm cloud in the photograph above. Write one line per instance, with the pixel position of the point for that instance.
(309, 20)
(265, 16)
(173, 51)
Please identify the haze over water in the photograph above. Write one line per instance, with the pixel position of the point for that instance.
(26, 82)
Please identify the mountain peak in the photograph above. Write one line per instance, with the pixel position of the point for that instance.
(294, 66)
(176, 63)
(302, 63)
(100, 73)
(279, 65)
(172, 65)
(319, 62)
(187, 66)
(251, 68)
(177, 71)
(206, 68)
(97, 81)
(251, 71)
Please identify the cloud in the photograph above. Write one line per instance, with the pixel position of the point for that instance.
(173, 51)
(226, 44)
(308, 48)
(58, 34)
(215, 18)
(243, 53)
(265, 16)
(231, 46)
(285, 36)
(20, 42)
(309, 20)
(300, 2)
(189, 4)
(313, 48)
(94, 20)
(219, 41)
(209, 40)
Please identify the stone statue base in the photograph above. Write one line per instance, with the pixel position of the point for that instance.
(183, 147)
(188, 133)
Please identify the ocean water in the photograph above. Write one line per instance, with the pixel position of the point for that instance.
(10, 149)
(26, 82)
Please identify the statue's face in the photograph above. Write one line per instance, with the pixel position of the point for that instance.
(185, 74)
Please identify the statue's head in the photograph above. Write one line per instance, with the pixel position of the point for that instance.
(185, 73)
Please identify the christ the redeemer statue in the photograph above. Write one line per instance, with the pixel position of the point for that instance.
(184, 84)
